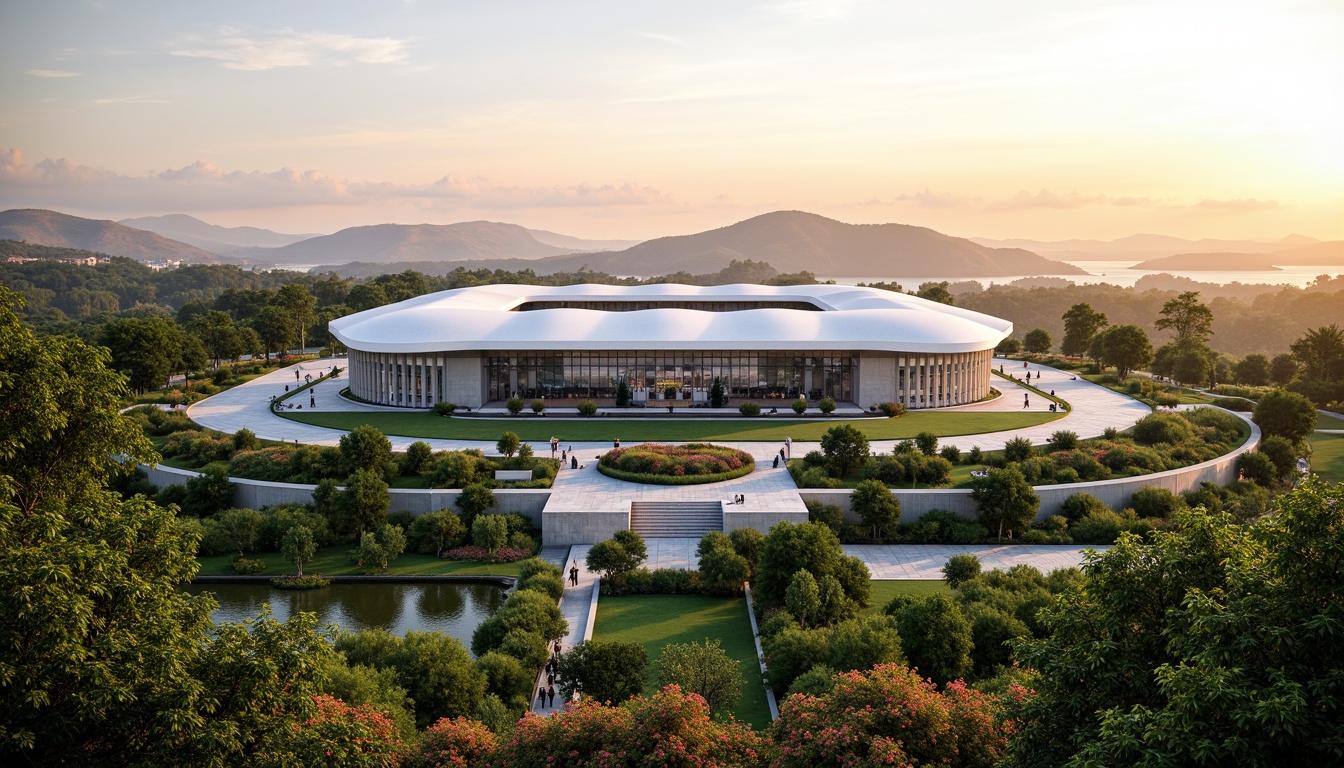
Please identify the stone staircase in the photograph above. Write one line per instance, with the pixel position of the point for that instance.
(675, 519)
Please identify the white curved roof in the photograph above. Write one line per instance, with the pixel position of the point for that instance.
(478, 318)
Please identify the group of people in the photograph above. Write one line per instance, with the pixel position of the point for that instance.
(740, 498)
(546, 693)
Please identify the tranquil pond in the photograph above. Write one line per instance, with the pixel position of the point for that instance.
(453, 609)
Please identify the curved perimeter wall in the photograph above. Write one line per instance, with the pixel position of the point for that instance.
(256, 494)
(1114, 493)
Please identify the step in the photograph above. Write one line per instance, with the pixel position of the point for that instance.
(675, 519)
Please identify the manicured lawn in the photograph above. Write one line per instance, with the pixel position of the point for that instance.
(1327, 457)
(1328, 422)
(336, 562)
(654, 621)
(884, 591)
(680, 430)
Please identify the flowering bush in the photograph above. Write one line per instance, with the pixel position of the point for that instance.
(889, 716)
(693, 462)
(451, 743)
(483, 555)
(342, 735)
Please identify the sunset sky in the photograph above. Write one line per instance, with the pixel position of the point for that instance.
(1045, 120)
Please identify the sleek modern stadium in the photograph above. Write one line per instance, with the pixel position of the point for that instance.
(475, 346)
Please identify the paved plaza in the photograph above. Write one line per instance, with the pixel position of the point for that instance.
(1094, 408)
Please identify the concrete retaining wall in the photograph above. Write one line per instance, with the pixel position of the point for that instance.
(1114, 493)
(256, 494)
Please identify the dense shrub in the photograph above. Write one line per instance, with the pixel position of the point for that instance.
(799, 406)
(1162, 428)
(1017, 449)
(1155, 502)
(749, 409)
(587, 408)
(892, 410)
(942, 527)
(1080, 505)
(444, 408)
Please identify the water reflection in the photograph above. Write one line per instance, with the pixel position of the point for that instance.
(454, 609)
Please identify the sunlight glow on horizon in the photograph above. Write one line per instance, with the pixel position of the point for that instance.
(1053, 121)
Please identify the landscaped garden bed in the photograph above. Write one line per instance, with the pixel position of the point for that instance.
(689, 464)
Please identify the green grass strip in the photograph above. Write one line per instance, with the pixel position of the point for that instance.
(1327, 457)
(603, 429)
(654, 621)
(884, 591)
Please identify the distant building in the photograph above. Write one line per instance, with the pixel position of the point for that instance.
(472, 346)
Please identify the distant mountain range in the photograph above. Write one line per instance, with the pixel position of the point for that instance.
(384, 243)
(794, 241)
(62, 230)
(1142, 246)
(210, 237)
(1329, 253)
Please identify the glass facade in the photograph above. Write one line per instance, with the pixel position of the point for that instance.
(745, 373)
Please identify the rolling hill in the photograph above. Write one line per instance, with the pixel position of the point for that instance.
(62, 230)
(794, 241)
(210, 237)
(1326, 254)
(386, 243)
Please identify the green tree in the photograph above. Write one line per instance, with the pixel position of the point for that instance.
(1009, 346)
(1188, 318)
(364, 502)
(417, 459)
(1005, 499)
(218, 334)
(705, 669)
(960, 569)
(377, 549)
(717, 396)
(603, 670)
(298, 546)
(239, 528)
(1253, 371)
(366, 448)
(935, 292)
(1081, 323)
(1282, 369)
(863, 643)
(622, 553)
(876, 506)
(813, 547)
(435, 669)
(436, 531)
(507, 445)
(803, 598)
(146, 349)
(1037, 341)
(299, 308)
(106, 661)
(936, 637)
(1321, 353)
(845, 448)
(927, 443)
(622, 393)
(272, 328)
(472, 501)
(490, 532)
(1123, 347)
(1215, 644)
(1191, 364)
(1286, 414)
(208, 493)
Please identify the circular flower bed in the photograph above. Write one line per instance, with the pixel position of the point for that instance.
(688, 464)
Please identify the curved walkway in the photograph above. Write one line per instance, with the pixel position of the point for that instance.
(1093, 409)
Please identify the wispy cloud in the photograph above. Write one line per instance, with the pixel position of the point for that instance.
(1247, 205)
(203, 186)
(288, 48)
(52, 73)
(122, 100)
(670, 40)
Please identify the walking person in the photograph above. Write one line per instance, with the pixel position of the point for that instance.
(1026, 401)
(312, 401)
(616, 443)
(788, 447)
(296, 374)
(574, 574)
(541, 696)
(550, 695)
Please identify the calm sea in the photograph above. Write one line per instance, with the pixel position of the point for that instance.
(1119, 273)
